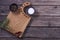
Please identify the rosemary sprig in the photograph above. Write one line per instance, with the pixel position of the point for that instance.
(5, 23)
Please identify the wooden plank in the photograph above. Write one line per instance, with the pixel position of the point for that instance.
(40, 10)
(9, 38)
(36, 21)
(45, 15)
(36, 32)
(43, 32)
(44, 2)
(2, 18)
(41, 21)
(8, 2)
(0, 31)
(34, 2)
(5, 34)
(4, 9)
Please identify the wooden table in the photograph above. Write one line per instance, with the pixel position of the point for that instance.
(45, 24)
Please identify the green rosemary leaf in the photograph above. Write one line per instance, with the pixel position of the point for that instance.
(5, 23)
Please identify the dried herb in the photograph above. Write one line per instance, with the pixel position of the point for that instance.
(5, 23)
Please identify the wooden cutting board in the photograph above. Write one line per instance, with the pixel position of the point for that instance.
(18, 21)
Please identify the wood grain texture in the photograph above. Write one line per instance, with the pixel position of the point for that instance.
(8, 2)
(44, 15)
(36, 32)
(41, 21)
(43, 32)
(40, 10)
(45, 24)
(34, 2)
(6, 38)
(14, 38)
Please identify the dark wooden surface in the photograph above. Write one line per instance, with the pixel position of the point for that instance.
(45, 23)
